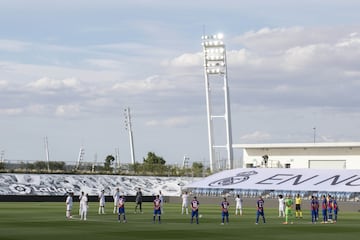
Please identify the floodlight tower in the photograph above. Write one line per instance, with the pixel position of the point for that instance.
(215, 67)
(185, 162)
(128, 127)
(80, 157)
(47, 153)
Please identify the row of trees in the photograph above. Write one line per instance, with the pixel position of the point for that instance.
(156, 165)
(151, 165)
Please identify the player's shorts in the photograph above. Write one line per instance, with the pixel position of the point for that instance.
(121, 211)
(157, 211)
(260, 213)
(225, 214)
(288, 211)
(297, 207)
(195, 213)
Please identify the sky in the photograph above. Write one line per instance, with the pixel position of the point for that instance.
(68, 69)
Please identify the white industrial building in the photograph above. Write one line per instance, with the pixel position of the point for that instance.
(340, 155)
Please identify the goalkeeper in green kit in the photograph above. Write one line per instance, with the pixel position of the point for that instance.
(288, 209)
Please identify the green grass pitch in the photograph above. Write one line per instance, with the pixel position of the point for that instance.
(42, 221)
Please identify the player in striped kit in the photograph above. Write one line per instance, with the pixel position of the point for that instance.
(121, 210)
(313, 209)
(330, 208)
(195, 210)
(260, 210)
(225, 211)
(335, 209)
(324, 209)
(157, 209)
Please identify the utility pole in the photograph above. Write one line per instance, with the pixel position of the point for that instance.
(2, 156)
(94, 163)
(117, 159)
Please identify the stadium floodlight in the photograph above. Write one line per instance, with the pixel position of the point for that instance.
(47, 155)
(128, 126)
(215, 67)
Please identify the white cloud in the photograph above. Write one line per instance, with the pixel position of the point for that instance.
(256, 136)
(297, 58)
(242, 57)
(282, 88)
(46, 83)
(101, 102)
(67, 110)
(326, 139)
(186, 60)
(352, 74)
(36, 109)
(353, 40)
(13, 45)
(3, 84)
(153, 84)
(11, 111)
(299, 50)
(169, 122)
(278, 39)
(133, 51)
(105, 63)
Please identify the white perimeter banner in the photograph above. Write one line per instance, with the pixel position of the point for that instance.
(60, 184)
(282, 179)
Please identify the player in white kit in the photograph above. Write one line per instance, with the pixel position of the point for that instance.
(185, 203)
(281, 206)
(102, 202)
(69, 205)
(116, 197)
(238, 206)
(84, 206)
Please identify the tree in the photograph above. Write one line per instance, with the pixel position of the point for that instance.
(57, 165)
(109, 160)
(136, 167)
(154, 163)
(197, 168)
(153, 159)
(40, 165)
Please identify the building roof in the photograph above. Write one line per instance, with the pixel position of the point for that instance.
(299, 145)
